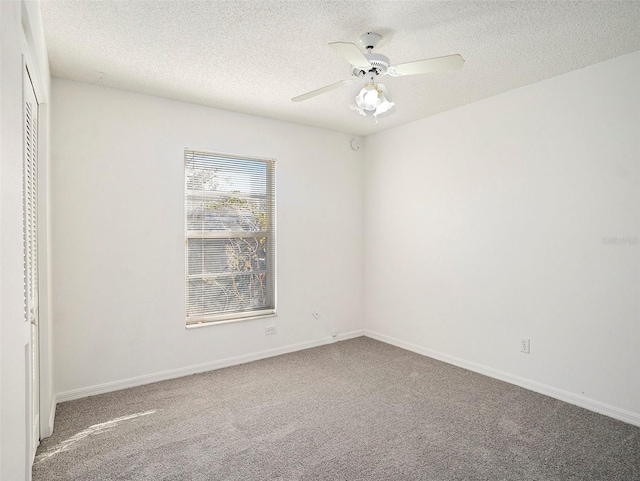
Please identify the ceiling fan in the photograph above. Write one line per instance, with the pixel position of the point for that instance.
(371, 66)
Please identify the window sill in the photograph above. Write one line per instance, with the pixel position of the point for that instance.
(228, 321)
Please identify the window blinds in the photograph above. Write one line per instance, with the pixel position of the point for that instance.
(230, 237)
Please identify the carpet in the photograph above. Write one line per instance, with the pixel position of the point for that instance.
(353, 410)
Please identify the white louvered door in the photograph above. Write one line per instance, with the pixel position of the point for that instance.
(30, 175)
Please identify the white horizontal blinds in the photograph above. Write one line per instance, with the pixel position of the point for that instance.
(30, 177)
(230, 237)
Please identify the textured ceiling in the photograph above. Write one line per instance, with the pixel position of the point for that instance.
(254, 56)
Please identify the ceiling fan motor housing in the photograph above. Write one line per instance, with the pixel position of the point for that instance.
(379, 65)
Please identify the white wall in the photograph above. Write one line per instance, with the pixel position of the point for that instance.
(118, 238)
(12, 335)
(485, 224)
(20, 34)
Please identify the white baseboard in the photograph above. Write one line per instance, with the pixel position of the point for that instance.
(566, 396)
(188, 370)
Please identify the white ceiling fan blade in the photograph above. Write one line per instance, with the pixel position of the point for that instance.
(351, 53)
(438, 64)
(322, 90)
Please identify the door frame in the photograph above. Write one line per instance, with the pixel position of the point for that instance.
(35, 74)
(32, 354)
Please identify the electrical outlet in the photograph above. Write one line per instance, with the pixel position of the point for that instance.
(524, 346)
(270, 330)
(316, 315)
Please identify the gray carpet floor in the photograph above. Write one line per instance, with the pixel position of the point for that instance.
(353, 410)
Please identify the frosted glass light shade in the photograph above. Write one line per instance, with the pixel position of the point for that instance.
(372, 99)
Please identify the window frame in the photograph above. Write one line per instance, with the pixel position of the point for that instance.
(270, 233)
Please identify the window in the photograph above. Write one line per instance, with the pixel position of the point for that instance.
(230, 237)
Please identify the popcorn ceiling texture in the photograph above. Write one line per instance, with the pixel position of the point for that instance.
(254, 56)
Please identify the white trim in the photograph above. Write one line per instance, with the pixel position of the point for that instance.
(38, 73)
(208, 366)
(46, 425)
(228, 321)
(581, 401)
(566, 396)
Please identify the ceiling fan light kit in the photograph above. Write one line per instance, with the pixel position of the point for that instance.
(373, 97)
(369, 97)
